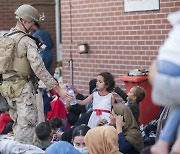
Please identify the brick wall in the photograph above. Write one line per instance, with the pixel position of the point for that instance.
(7, 17)
(118, 41)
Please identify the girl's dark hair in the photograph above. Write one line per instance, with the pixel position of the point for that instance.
(108, 80)
(43, 130)
(80, 130)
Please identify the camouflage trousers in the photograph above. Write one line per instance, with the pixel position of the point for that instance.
(24, 113)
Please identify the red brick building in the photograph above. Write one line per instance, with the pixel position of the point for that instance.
(118, 41)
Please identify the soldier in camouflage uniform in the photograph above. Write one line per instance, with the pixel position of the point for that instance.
(18, 85)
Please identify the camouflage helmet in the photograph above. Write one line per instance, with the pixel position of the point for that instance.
(28, 13)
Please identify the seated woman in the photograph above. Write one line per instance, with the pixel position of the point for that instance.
(130, 139)
(102, 140)
(78, 138)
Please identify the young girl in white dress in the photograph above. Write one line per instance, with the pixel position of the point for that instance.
(102, 99)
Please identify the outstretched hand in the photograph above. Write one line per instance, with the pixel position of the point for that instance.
(63, 93)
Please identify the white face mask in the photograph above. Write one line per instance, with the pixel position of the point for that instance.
(83, 150)
(56, 76)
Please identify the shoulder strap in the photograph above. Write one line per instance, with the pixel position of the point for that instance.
(18, 38)
(38, 42)
(18, 31)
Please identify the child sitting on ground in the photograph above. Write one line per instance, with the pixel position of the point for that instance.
(132, 99)
(57, 128)
(43, 132)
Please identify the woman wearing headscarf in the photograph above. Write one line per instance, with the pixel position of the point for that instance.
(130, 139)
(61, 147)
(102, 140)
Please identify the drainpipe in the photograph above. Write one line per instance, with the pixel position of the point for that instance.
(71, 68)
(58, 41)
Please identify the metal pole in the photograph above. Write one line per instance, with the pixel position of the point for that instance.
(58, 41)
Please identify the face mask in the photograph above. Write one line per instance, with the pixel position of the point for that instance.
(56, 76)
(83, 150)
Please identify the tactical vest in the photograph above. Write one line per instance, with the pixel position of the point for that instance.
(8, 55)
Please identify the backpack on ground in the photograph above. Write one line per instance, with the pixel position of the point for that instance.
(8, 47)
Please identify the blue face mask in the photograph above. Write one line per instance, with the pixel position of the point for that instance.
(83, 150)
(56, 76)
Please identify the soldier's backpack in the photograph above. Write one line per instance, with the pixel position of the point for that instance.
(8, 47)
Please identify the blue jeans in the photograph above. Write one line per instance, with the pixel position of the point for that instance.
(170, 129)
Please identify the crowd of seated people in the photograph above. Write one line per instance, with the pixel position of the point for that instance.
(66, 129)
